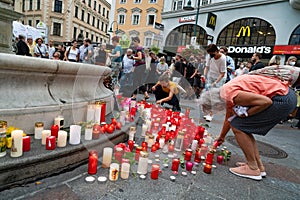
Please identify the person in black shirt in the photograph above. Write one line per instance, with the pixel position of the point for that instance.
(257, 64)
(22, 48)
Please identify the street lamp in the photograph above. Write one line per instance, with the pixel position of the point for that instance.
(189, 7)
(111, 27)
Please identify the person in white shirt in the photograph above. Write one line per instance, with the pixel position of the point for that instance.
(72, 53)
(40, 50)
(126, 81)
(51, 49)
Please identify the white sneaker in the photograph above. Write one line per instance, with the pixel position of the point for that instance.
(208, 118)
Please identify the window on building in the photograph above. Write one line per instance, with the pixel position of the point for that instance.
(90, 3)
(107, 14)
(102, 26)
(93, 22)
(81, 32)
(295, 37)
(56, 28)
(87, 35)
(177, 4)
(74, 33)
(103, 12)
(135, 19)
(137, 1)
(23, 5)
(76, 11)
(122, 1)
(152, 1)
(82, 15)
(205, 2)
(99, 8)
(151, 20)
(121, 19)
(58, 6)
(98, 23)
(95, 5)
(148, 42)
(92, 37)
(30, 22)
(37, 22)
(38, 4)
(88, 18)
(106, 27)
(30, 4)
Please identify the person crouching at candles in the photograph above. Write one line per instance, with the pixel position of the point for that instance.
(165, 91)
(254, 105)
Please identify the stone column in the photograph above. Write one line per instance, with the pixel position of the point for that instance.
(7, 16)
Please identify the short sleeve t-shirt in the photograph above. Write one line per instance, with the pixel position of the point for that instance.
(116, 49)
(216, 67)
(172, 85)
(252, 83)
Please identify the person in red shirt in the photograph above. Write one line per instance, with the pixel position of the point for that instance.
(254, 105)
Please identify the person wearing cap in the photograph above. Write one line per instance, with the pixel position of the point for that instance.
(30, 45)
(254, 104)
(22, 48)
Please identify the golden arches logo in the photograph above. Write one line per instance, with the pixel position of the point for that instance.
(243, 30)
(212, 20)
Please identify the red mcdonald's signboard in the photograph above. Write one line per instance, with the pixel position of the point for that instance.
(287, 49)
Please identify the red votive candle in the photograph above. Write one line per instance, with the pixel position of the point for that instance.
(130, 144)
(209, 158)
(137, 153)
(96, 131)
(189, 166)
(54, 130)
(155, 171)
(171, 147)
(119, 154)
(175, 164)
(103, 111)
(188, 154)
(50, 142)
(207, 169)
(93, 162)
(220, 158)
(153, 148)
(26, 143)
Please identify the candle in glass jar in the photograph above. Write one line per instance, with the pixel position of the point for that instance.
(88, 132)
(175, 164)
(150, 140)
(114, 171)
(93, 162)
(132, 131)
(17, 143)
(125, 169)
(130, 144)
(179, 141)
(188, 154)
(187, 112)
(97, 112)
(59, 121)
(220, 159)
(119, 154)
(162, 141)
(209, 157)
(3, 145)
(90, 114)
(96, 131)
(26, 143)
(143, 163)
(45, 134)
(107, 155)
(207, 168)
(197, 158)
(54, 130)
(144, 130)
(194, 145)
(103, 111)
(75, 134)
(50, 143)
(62, 138)
(38, 128)
(189, 166)
(137, 152)
(155, 171)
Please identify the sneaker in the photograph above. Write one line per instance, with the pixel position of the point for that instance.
(239, 164)
(246, 172)
(209, 118)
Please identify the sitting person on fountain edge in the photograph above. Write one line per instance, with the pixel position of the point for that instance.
(165, 91)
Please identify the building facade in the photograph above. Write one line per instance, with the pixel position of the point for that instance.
(137, 18)
(69, 19)
(245, 27)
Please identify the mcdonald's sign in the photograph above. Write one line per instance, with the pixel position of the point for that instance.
(243, 30)
(211, 21)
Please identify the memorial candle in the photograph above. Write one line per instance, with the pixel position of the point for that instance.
(107, 155)
(197, 158)
(93, 162)
(103, 111)
(125, 168)
(75, 134)
(97, 112)
(130, 144)
(119, 154)
(207, 168)
(155, 171)
(137, 152)
(114, 171)
(54, 130)
(90, 114)
(59, 121)
(96, 131)
(144, 129)
(45, 134)
(209, 157)
(88, 132)
(26, 143)
(62, 138)
(188, 154)
(50, 142)
(189, 166)
(17, 143)
(38, 129)
(175, 164)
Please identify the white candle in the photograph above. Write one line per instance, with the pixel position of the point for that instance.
(88, 133)
(144, 129)
(17, 143)
(148, 123)
(62, 139)
(45, 134)
(194, 145)
(39, 127)
(75, 134)
(107, 155)
(97, 113)
(90, 115)
(59, 120)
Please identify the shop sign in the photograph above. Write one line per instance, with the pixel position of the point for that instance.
(250, 49)
(287, 49)
(125, 42)
(187, 19)
(244, 31)
(159, 26)
(211, 21)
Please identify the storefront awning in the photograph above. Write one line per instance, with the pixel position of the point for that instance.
(287, 49)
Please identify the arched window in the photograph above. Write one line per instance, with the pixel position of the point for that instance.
(247, 31)
(295, 37)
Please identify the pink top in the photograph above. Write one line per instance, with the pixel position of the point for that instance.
(252, 83)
